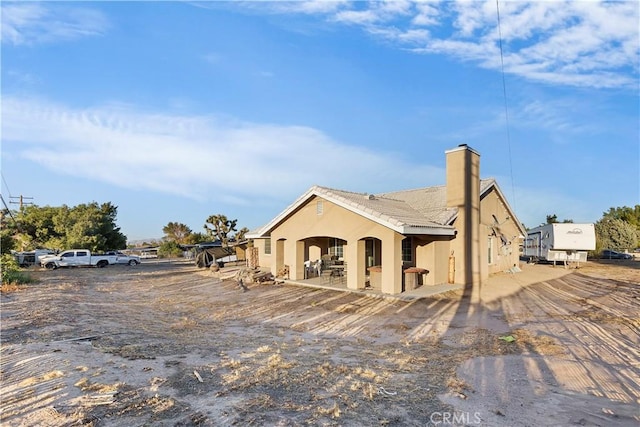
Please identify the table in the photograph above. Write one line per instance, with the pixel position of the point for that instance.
(337, 270)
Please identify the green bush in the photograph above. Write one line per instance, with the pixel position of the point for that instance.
(11, 273)
(169, 249)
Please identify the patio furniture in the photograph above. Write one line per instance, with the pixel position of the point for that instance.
(327, 275)
(414, 277)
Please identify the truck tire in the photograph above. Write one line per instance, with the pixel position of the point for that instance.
(102, 263)
(50, 266)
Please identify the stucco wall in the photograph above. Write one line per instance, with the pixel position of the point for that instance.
(337, 222)
(505, 256)
(264, 259)
(432, 253)
(304, 234)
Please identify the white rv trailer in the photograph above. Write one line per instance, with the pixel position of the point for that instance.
(560, 242)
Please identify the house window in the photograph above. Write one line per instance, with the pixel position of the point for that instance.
(319, 207)
(407, 252)
(490, 251)
(372, 252)
(336, 248)
(267, 246)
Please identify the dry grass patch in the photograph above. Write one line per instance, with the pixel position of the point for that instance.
(41, 378)
(543, 345)
(7, 288)
(457, 385)
(85, 384)
(183, 324)
(333, 410)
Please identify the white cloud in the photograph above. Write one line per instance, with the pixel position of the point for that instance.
(201, 157)
(427, 14)
(32, 23)
(308, 7)
(576, 43)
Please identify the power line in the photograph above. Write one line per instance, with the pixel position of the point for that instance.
(5, 184)
(506, 107)
(15, 221)
(9, 211)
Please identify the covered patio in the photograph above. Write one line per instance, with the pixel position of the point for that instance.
(341, 285)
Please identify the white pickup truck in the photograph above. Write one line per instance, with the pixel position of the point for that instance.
(77, 258)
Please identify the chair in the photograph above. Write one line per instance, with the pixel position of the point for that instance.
(343, 273)
(327, 275)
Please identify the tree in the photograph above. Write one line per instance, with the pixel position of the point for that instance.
(7, 243)
(91, 226)
(615, 234)
(169, 248)
(221, 228)
(240, 235)
(628, 215)
(195, 238)
(625, 213)
(35, 226)
(553, 219)
(177, 232)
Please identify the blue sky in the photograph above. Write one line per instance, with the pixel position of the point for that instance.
(174, 111)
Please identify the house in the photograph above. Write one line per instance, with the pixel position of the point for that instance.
(457, 233)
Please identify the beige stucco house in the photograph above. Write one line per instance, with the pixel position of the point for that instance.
(457, 233)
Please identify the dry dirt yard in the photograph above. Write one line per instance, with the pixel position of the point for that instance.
(169, 345)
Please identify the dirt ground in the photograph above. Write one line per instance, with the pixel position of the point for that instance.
(166, 344)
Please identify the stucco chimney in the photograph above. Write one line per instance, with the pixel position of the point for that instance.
(463, 176)
(463, 192)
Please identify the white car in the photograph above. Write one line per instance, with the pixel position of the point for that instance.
(125, 259)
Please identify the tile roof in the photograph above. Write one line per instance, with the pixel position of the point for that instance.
(431, 202)
(389, 209)
(421, 210)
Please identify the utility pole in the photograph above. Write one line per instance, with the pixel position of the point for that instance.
(22, 200)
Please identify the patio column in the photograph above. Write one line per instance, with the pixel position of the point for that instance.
(277, 247)
(297, 269)
(392, 264)
(355, 265)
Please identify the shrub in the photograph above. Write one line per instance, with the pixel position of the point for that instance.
(615, 234)
(169, 249)
(11, 273)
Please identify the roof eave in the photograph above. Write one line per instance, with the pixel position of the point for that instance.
(380, 219)
(265, 230)
(430, 231)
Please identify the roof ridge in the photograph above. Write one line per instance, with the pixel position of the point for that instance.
(320, 187)
(357, 193)
(414, 189)
(430, 187)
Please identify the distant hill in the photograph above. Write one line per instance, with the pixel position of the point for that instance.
(139, 242)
